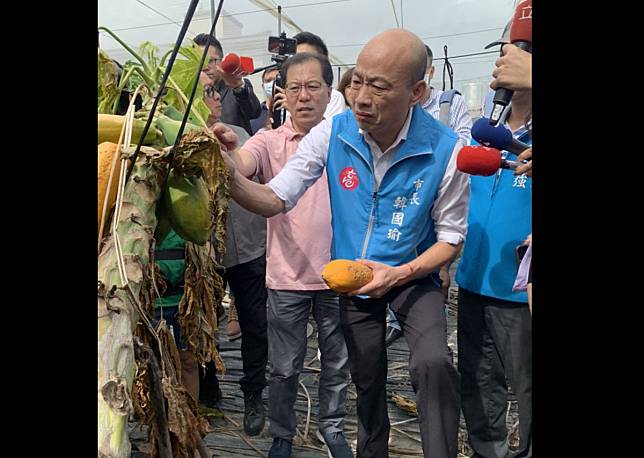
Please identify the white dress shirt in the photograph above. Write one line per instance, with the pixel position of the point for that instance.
(450, 208)
(460, 120)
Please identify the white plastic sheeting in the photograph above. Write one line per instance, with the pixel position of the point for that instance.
(465, 26)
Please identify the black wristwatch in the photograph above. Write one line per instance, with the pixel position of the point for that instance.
(241, 91)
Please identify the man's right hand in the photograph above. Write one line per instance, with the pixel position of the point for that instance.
(226, 136)
(230, 163)
(278, 100)
(525, 168)
(514, 70)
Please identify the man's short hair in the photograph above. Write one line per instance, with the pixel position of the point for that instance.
(301, 57)
(417, 66)
(430, 55)
(345, 80)
(267, 71)
(313, 40)
(202, 40)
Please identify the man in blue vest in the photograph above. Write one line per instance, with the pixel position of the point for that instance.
(494, 322)
(450, 108)
(400, 205)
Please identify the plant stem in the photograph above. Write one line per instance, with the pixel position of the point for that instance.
(150, 82)
(130, 50)
(185, 99)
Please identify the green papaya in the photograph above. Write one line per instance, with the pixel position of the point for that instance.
(109, 130)
(170, 128)
(172, 113)
(186, 205)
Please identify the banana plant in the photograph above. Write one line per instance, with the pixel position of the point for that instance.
(149, 69)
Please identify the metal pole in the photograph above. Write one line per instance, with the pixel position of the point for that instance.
(279, 19)
(182, 33)
(212, 13)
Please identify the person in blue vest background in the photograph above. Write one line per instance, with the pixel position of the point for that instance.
(398, 204)
(494, 322)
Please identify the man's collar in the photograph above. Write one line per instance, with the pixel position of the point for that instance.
(289, 130)
(432, 97)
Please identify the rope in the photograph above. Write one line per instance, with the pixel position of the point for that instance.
(450, 70)
(308, 412)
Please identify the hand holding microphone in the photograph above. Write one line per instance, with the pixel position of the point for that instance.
(514, 70)
(521, 37)
(498, 137)
(481, 160)
(527, 167)
(233, 68)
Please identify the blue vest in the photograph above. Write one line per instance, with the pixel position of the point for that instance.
(500, 219)
(392, 224)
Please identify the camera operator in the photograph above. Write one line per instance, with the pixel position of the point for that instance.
(309, 42)
(239, 102)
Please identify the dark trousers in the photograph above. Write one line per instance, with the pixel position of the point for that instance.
(288, 314)
(420, 309)
(248, 284)
(494, 345)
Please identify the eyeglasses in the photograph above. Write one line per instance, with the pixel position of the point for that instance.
(214, 60)
(312, 87)
(209, 90)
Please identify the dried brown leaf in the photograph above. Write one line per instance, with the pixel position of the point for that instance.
(404, 403)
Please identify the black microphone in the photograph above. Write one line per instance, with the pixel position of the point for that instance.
(521, 37)
(498, 137)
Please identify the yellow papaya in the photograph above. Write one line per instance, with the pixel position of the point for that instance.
(187, 207)
(343, 276)
(106, 153)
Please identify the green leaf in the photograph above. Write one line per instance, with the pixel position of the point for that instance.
(148, 52)
(183, 73)
(108, 90)
(135, 80)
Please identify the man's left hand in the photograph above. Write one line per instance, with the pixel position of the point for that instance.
(445, 281)
(384, 278)
(527, 167)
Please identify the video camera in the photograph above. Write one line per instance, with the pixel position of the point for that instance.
(281, 48)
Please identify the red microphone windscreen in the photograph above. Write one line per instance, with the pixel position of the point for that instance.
(230, 63)
(246, 64)
(478, 160)
(521, 29)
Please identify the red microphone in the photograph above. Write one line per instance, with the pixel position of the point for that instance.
(481, 160)
(521, 37)
(235, 65)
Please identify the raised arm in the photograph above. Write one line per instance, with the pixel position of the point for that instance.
(285, 189)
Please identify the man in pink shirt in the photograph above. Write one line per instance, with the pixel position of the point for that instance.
(298, 247)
